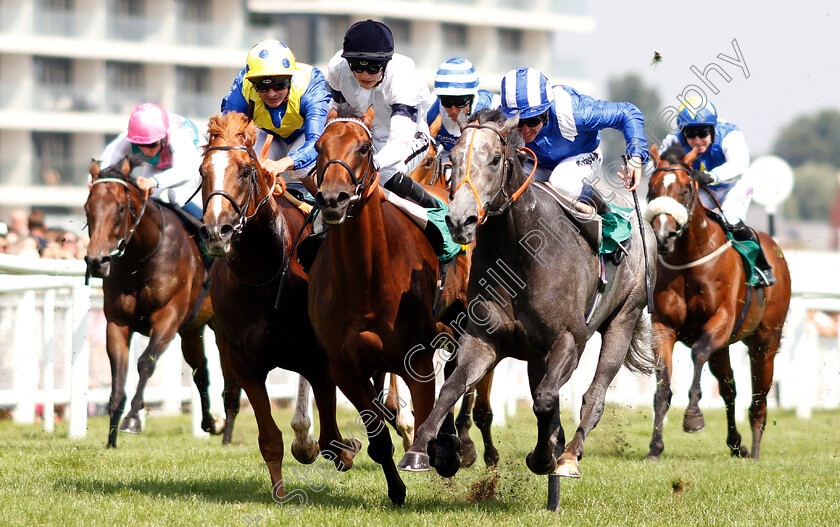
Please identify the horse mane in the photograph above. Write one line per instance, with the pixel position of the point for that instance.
(115, 170)
(230, 125)
(674, 154)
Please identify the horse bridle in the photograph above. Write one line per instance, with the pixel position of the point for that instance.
(359, 185)
(253, 188)
(484, 211)
(690, 206)
(122, 243)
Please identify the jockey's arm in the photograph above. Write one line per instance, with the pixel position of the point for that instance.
(314, 106)
(234, 101)
(116, 150)
(185, 162)
(737, 157)
(401, 134)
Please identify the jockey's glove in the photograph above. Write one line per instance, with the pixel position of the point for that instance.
(703, 177)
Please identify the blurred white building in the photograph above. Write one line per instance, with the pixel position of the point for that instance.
(71, 70)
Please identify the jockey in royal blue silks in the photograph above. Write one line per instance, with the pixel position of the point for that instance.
(456, 88)
(721, 168)
(285, 98)
(561, 126)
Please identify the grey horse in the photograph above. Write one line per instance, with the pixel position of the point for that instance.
(534, 296)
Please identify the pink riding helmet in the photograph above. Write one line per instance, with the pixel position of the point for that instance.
(148, 123)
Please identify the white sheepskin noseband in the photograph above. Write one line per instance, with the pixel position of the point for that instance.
(669, 206)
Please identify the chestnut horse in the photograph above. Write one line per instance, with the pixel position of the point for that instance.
(152, 275)
(373, 286)
(533, 280)
(250, 232)
(700, 294)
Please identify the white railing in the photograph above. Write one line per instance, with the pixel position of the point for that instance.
(48, 320)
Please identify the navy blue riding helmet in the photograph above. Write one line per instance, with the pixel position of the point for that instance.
(368, 40)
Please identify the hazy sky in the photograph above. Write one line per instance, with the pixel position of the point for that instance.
(790, 49)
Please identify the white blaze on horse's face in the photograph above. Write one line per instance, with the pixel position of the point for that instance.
(668, 179)
(219, 161)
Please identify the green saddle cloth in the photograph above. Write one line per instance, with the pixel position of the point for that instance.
(615, 228)
(749, 252)
(438, 218)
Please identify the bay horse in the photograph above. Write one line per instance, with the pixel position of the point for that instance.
(250, 232)
(533, 280)
(702, 299)
(153, 274)
(373, 286)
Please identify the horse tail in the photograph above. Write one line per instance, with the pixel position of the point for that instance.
(640, 358)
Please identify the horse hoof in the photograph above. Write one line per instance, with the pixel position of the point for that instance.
(693, 422)
(305, 451)
(414, 462)
(446, 459)
(131, 425)
(468, 454)
(654, 458)
(740, 451)
(397, 493)
(540, 468)
(491, 457)
(567, 467)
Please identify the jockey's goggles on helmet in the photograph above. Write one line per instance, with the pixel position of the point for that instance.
(458, 101)
(533, 122)
(150, 145)
(365, 66)
(698, 131)
(276, 83)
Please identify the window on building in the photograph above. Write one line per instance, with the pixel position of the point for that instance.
(54, 78)
(510, 40)
(55, 17)
(455, 39)
(125, 87)
(127, 21)
(194, 95)
(194, 20)
(52, 164)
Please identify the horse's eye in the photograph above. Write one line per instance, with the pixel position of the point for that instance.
(247, 170)
(496, 159)
(365, 148)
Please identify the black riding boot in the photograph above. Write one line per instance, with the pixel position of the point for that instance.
(742, 233)
(405, 187)
(593, 197)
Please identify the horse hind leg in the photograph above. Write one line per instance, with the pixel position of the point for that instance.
(762, 351)
(232, 392)
(117, 339)
(463, 423)
(192, 347)
(483, 415)
(721, 368)
(304, 447)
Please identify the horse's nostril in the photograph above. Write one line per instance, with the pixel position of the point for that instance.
(471, 220)
(342, 196)
(320, 201)
(226, 230)
(204, 233)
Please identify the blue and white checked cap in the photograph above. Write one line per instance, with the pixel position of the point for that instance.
(527, 91)
(455, 77)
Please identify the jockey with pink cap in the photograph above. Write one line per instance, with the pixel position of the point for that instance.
(168, 143)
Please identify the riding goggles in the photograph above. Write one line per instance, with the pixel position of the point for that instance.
(462, 101)
(533, 122)
(277, 83)
(691, 133)
(366, 66)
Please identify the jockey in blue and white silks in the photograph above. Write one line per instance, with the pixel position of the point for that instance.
(285, 98)
(561, 126)
(456, 91)
(723, 157)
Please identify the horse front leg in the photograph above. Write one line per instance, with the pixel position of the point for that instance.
(663, 350)
(475, 359)
(483, 414)
(715, 335)
(546, 379)
(304, 447)
(463, 423)
(117, 341)
(721, 368)
(164, 326)
(232, 392)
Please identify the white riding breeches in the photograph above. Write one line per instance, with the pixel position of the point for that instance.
(280, 149)
(568, 176)
(734, 199)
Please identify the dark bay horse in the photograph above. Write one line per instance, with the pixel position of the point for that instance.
(153, 275)
(373, 286)
(700, 294)
(533, 280)
(251, 233)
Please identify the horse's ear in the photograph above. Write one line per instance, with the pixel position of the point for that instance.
(510, 124)
(94, 168)
(434, 128)
(462, 121)
(654, 154)
(125, 166)
(333, 113)
(689, 158)
(367, 117)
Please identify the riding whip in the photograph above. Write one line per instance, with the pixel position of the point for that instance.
(648, 280)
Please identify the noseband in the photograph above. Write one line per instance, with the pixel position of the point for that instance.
(359, 185)
(484, 211)
(122, 243)
(692, 185)
(253, 188)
